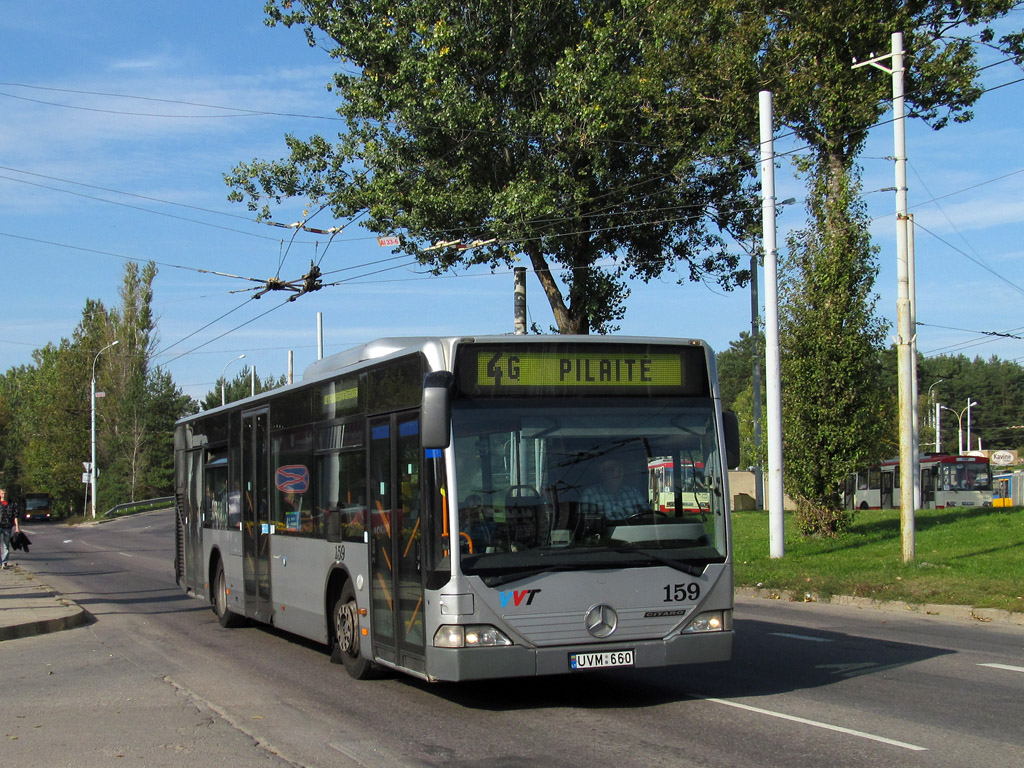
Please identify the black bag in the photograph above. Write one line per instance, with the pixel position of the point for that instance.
(20, 541)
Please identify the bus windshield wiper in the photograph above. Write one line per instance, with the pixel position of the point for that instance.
(679, 565)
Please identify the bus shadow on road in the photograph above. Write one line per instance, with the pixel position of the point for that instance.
(768, 658)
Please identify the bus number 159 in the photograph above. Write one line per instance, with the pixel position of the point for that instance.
(680, 593)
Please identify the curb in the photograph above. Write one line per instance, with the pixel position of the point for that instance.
(30, 608)
(959, 612)
(45, 626)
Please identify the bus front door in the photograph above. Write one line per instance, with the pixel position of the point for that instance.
(255, 517)
(886, 494)
(396, 562)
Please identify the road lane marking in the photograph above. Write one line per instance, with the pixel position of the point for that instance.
(125, 554)
(802, 637)
(1003, 666)
(817, 724)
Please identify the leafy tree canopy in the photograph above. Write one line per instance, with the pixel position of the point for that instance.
(808, 48)
(598, 139)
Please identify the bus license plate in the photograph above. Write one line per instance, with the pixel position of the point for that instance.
(602, 659)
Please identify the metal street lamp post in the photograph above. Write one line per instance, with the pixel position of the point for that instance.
(969, 404)
(92, 401)
(229, 362)
(960, 424)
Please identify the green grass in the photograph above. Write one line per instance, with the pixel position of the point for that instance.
(963, 556)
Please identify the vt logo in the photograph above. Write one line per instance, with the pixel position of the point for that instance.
(518, 596)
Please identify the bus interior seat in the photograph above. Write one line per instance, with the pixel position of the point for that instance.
(524, 511)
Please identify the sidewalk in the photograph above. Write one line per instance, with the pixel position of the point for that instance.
(28, 608)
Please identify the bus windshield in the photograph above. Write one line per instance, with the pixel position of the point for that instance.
(565, 483)
(964, 476)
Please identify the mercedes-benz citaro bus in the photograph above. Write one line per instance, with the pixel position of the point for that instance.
(470, 507)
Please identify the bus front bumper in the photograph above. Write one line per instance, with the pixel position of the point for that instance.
(519, 661)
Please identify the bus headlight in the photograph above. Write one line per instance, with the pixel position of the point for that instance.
(711, 621)
(469, 636)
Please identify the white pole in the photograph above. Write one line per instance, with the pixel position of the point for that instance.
(755, 333)
(912, 291)
(92, 400)
(773, 371)
(291, 366)
(938, 427)
(319, 335)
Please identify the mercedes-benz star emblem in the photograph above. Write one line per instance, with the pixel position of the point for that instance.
(601, 620)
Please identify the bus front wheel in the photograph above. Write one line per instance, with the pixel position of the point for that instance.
(345, 618)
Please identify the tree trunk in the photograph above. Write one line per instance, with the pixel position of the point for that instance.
(566, 319)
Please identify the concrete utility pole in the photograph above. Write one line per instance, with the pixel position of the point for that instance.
(904, 311)
(773, 370)
(519, 300)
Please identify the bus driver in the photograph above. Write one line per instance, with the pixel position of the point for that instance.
(610, 497)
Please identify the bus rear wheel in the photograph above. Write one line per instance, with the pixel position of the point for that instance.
(345, 625)
(225, 615)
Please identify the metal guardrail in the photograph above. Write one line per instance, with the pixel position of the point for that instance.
(131, 505)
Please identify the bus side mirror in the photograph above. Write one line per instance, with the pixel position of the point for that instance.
(436, 414)
(731, 425)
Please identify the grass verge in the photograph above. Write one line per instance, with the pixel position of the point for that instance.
(963, 556)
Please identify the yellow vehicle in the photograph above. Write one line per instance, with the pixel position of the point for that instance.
(37, 507)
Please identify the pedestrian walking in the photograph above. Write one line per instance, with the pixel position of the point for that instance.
(8, 526)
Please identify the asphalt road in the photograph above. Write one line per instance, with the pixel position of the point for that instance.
(154, 680)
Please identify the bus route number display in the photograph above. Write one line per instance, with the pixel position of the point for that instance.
(600, 370)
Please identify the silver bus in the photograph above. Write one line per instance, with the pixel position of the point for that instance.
(469, 507)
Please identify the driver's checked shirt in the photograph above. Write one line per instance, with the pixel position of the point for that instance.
(614, 505)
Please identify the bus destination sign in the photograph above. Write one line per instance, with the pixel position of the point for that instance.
(597, 369)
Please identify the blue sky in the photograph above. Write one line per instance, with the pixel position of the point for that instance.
(120, 119)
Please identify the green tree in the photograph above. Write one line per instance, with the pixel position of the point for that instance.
(832, 396)
(51, 420)
(736, 366)
(165, 404)
(997, 386)
(126, 428)
(11, 399)
(594, 139)
(136, 421)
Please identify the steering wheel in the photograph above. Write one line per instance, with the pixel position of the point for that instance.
(638, 517)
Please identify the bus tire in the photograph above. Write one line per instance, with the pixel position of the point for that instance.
(225, 615)
(345, 636)
(864, 505)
